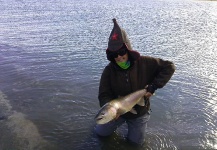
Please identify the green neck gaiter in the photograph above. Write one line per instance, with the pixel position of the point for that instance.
(124, 65)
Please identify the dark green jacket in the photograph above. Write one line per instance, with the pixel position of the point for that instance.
(146, 70)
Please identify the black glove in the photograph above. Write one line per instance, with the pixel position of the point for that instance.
(151, 88)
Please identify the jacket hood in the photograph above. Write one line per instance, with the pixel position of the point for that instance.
(117, 39)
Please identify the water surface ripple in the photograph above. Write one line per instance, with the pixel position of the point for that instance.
(52, 54)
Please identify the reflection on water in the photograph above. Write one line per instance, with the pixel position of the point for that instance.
(19, 132)
(52, 54)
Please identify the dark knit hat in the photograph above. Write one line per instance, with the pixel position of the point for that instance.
(117, 39)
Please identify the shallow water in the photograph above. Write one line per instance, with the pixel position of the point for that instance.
(52, 54)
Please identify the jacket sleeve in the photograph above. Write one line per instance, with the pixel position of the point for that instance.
(105, 91)
(163, 71)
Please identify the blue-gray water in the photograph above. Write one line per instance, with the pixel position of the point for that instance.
(52, 54)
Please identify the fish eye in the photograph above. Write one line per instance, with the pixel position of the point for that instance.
(103, 113)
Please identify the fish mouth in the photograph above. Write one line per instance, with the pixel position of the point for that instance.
(100, 118)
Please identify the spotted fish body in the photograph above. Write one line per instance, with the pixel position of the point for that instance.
(120, 106)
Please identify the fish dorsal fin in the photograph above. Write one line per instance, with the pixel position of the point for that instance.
(133, 111)
(141, 102)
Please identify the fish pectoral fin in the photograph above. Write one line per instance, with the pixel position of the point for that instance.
(141, 102)
(133, 111)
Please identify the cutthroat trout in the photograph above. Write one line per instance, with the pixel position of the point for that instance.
(120, 106)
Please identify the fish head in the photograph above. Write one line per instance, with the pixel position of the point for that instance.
(106, 114)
